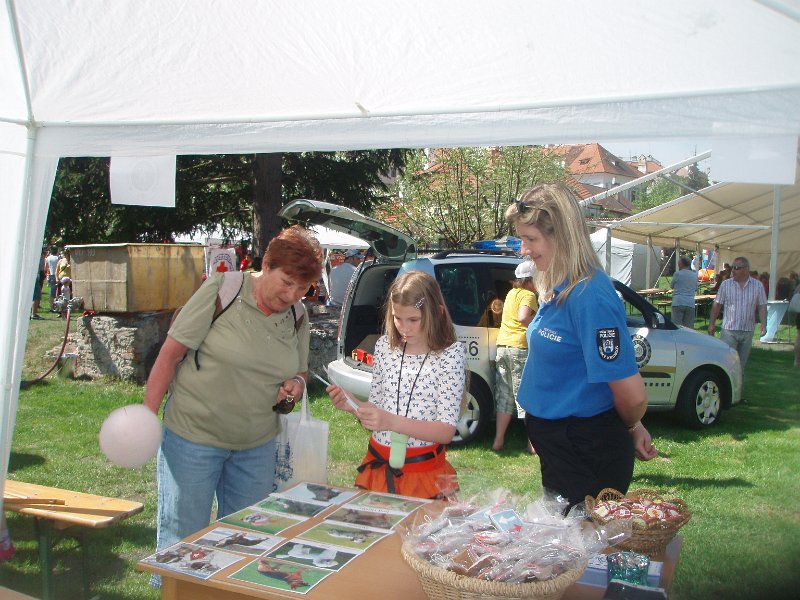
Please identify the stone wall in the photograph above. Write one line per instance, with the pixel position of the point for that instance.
(125, 346)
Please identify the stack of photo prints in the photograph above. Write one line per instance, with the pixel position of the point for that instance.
(349, 524)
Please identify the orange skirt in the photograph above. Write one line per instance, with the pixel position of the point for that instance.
(426, 474)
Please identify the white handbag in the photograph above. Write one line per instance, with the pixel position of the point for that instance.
(302, 448)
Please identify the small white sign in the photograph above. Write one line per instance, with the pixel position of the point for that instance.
(143, 180)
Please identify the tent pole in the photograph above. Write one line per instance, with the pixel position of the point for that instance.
(774, 242)
(647, 270)
(16, 336)
(677, 253)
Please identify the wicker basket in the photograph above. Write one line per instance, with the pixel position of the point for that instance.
(440, 584)
(651, 538)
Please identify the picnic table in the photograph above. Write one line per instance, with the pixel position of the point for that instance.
(654, 292)
(60, 509)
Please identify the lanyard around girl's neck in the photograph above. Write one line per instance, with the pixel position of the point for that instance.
(400, 379)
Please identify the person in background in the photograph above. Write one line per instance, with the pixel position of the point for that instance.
(794, 280)
(741, 295)
(418, 381)
(581, 388)
(340, 276)
(764, 279)
(695, 264)
(63, 269)
(512, 349)
(41, 273)
(241, 370)
(719, 277)
(246, 262)
(795, 290)
(52, 262)
(684, 288)
(7, 549)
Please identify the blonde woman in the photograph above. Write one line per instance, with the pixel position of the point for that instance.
(580, 387)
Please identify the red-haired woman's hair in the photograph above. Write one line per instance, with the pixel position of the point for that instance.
(297, 252)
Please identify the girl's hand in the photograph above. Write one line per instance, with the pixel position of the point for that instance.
(339, 399)
(376, 419)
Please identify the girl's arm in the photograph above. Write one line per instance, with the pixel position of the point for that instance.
(377, 419)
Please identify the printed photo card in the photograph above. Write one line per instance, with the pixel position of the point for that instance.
(192, 559)
(279, 575)
(237, 540)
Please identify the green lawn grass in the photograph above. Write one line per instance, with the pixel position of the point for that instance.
(740, 480)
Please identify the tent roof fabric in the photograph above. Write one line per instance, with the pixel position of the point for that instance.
(200, 78)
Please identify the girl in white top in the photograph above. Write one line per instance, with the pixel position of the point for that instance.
(418, 380)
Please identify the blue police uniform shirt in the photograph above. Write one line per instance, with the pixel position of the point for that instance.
(574, 350)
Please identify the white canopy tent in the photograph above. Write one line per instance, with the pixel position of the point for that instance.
(735, 218)
(628, 261)
(166, 77)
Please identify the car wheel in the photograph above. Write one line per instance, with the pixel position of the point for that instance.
(700, 401)
(476, 415)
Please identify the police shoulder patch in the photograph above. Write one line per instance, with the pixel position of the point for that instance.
(608, 343)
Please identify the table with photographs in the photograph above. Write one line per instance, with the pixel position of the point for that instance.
(319, 541)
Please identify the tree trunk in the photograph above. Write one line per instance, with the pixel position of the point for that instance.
(267, 200)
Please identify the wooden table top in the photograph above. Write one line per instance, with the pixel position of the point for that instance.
(78, 508)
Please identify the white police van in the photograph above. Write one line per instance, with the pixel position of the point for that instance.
(693, 374)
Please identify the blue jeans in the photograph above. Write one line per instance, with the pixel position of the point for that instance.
(190, 475)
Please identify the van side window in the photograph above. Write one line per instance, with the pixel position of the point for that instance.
(461, 293)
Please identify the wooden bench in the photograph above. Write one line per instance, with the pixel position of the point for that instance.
(56, 508)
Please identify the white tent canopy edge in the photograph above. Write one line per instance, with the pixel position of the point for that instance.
(278, 77)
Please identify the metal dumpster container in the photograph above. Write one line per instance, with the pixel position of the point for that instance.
(125, 278)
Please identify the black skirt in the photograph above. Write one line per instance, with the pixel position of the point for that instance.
(581, 456)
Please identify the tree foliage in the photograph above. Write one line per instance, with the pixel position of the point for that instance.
(457, 196)
(660, 191)
(211, 191)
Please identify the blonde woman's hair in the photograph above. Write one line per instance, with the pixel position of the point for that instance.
(554, 210)
(421, 291)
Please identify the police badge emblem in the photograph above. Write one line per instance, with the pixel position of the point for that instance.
(608, 343)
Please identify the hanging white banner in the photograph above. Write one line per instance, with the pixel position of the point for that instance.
(143, 180)
(755, 160)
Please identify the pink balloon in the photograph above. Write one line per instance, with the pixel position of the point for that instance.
(130, 436)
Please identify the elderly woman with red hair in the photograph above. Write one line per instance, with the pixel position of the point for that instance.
(226, 375)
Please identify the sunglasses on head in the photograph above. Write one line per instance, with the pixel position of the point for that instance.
(522, 208)
(285, 406)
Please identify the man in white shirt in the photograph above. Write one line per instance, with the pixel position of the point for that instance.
(52, 262)
(340, 277)
(741, 295)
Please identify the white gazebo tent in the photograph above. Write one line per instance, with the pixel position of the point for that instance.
(165, 77)
(759, 221)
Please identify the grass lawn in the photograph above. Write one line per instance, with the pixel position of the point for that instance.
(741, 480)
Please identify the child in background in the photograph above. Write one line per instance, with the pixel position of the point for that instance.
(418, 380)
